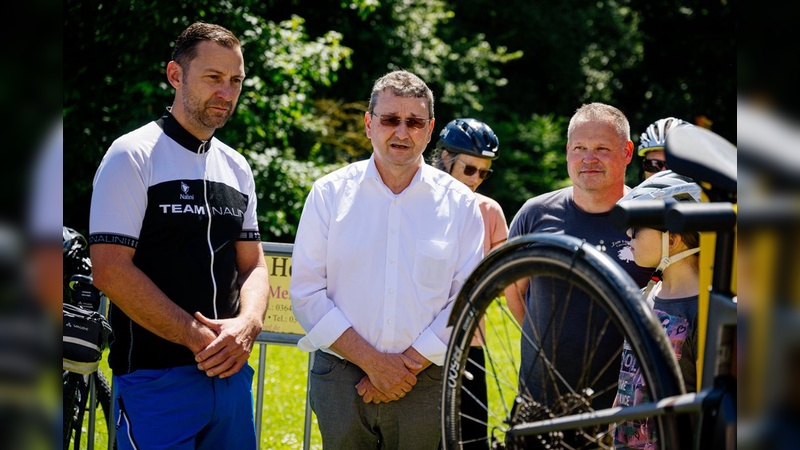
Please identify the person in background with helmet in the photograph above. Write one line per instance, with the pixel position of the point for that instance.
(672, 292)
(651, 146)
(465, 150)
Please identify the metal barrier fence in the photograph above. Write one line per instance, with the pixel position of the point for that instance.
(280, 327)
(265, 338)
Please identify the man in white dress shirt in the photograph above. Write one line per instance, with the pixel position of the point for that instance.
(382, 249)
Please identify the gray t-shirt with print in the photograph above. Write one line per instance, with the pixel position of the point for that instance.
(578, 337)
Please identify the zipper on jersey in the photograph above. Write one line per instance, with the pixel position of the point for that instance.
(202, 153)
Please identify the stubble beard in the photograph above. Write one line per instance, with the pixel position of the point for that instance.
(199, 111)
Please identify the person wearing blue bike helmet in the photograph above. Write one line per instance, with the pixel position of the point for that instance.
(672, 292)
(466, 149)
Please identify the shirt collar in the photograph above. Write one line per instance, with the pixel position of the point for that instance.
(425, 174)
(175, 130)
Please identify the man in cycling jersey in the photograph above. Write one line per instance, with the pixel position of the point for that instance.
(598, 151)
(175, 245)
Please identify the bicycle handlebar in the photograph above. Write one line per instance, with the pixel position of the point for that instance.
(645, 213)
(700, 217)
(677, 217)
(706, 157)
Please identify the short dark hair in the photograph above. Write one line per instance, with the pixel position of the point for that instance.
(186, 44)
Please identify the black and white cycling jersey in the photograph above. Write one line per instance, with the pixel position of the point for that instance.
(182, 204)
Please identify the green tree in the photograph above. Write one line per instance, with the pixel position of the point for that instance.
(521, 67)
(116, 82)
(688, 65)
(301, 114)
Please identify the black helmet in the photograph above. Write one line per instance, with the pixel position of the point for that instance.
(73, 241)
(76, 254)
(469, 136)
(655, 137)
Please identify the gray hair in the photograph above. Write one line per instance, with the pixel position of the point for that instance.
(441, 161)
(403, 84)
(600, 112)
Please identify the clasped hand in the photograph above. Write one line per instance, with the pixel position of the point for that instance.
(390, 378)
(229, 350)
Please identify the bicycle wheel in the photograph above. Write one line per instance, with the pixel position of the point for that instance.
(74, 392)
(102, 390)
(76, 404)
(565, 359)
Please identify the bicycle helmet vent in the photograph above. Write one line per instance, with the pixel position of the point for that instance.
(72, 240)
(655, 136)
(470, 137)
(665, 185)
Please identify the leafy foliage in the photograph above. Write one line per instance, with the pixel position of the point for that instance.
(285, 181)
(122, 86)
(535, 165)
(521, 67)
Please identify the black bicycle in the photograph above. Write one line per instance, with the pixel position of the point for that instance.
(537, 399)
(85, 386)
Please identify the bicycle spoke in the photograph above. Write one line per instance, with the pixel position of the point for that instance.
(563, 360)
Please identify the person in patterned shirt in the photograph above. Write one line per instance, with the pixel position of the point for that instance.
(673, 294)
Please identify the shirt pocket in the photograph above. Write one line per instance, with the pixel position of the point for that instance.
(433, 264)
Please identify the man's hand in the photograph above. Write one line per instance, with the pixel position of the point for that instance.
(390, 375)
(369, 393)
(229, 352)
(393, 374)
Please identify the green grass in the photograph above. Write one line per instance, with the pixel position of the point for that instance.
(284, 397)
(283, 408)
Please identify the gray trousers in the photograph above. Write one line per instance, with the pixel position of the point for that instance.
(347, 423)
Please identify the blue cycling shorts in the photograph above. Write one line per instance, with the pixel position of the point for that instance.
(183, 409)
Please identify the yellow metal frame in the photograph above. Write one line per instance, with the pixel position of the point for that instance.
(708, 241)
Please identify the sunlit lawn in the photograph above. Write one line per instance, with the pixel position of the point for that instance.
(283, 408)
(284, 397)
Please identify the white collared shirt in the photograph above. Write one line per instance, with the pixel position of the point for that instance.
(388, 265)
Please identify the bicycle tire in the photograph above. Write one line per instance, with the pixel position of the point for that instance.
(76, 404)
(71, 397)
(102, 389)
(605, 285)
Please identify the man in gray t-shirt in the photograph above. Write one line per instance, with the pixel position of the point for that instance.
(598, 150)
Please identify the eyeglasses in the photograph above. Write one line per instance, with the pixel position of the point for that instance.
(653, 165)
(633, 232)
(470, 170)
(414, 123)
